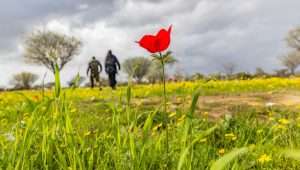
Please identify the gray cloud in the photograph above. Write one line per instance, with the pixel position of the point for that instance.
(18, 17)
(207, 33)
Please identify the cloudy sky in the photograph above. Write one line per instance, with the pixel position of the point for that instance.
(206, 34)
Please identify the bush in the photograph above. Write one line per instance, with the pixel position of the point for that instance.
(23, 80)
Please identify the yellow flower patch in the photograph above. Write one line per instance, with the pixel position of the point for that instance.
(264, 158)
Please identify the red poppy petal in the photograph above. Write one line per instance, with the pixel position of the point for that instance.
(157, 43)
(163, 40)
(148, 42)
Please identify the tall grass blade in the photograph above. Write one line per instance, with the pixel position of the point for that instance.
(57, 82)
(227, 158)
(149, 122)
(188, 131)
(185, 152)
(76, 81)
(194, 102)
(128, 94)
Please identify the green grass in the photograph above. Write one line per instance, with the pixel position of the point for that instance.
(88, 129)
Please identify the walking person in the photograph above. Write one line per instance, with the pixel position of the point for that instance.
(111, 64)
(94, 68)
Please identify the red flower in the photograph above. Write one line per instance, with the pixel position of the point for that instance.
(158, 42)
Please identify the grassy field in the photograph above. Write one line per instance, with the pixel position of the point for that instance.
(246, 124)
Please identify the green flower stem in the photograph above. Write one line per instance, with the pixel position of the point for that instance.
(165, 101)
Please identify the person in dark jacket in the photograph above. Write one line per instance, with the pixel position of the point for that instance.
(111, 64)
(95, 68)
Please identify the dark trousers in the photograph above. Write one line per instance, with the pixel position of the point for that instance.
(94, 79)
(112, 80)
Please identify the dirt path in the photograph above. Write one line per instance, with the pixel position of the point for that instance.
(289, 100)
(219, 105)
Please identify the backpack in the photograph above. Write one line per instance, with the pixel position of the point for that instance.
(110, 65)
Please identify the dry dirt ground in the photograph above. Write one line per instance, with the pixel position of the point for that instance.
(219, 105)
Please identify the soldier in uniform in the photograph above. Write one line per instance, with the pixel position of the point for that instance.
(111, 64)
(95, 68)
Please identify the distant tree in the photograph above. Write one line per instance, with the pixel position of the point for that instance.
(137, 67)
(291, 61)
(178, 75)
(293, 39)
(76, 81)
(50, 48)
(229, 68)
(259, 72)
(281, 72)
(49, 85)
(197, 76)
(155, 73)
(215, 76)
(23, 80)
(242, 76)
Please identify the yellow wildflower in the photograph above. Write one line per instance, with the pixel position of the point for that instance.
(279, 127)
(205, 113)
(221, 151)
(284, 121)
(229, 135)
(264, 158)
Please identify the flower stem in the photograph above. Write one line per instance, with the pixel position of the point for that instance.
(165, 102)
